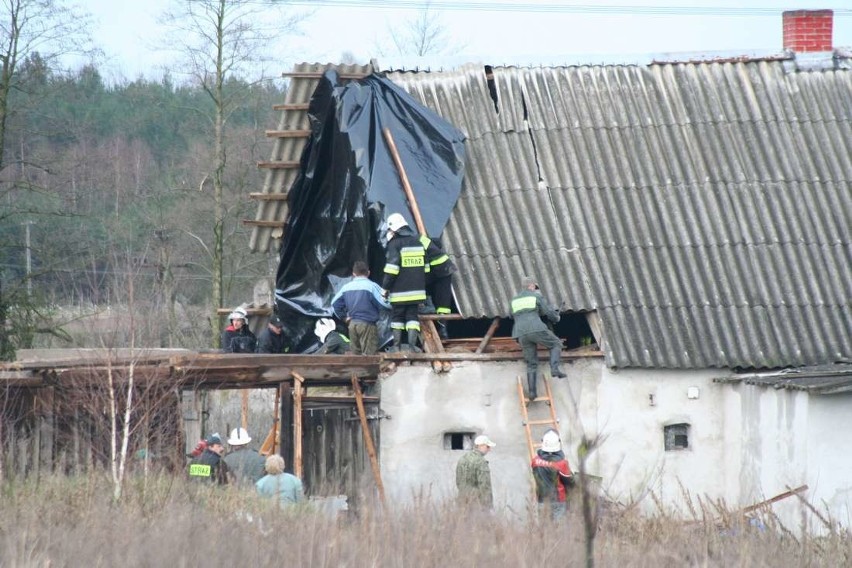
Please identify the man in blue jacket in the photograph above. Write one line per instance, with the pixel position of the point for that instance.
(360, 303)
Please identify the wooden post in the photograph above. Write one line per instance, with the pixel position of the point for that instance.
(267, 448)
(368, 439)
(488, 335)
(287, 423)
(406, 186)
(244, 408)
(297, 424)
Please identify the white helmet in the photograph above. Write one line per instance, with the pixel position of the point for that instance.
(239, 313)
(396, 222)
(323, 327)
(239, 437)
(550, 442)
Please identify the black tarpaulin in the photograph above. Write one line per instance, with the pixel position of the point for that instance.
(347, 186)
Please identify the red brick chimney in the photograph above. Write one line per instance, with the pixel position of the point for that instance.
(808, 30)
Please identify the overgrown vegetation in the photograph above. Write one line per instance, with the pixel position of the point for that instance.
(165, 521)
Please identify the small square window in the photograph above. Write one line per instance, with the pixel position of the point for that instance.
(458, 440)
(676, 437)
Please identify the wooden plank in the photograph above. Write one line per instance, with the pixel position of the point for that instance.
(278, 164)
(456, 356)
(291, 106)
(260, 311)
(288, 133)
(287, 423)
(441, 317)
(268, 196)
(368, 440)
(771, 500)
(272, 224)
(297, 425)
(488, 335)
(319, 74)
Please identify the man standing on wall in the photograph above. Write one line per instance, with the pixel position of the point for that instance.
(473, 475)
(360, 303)
(528, 307)
(405, 280)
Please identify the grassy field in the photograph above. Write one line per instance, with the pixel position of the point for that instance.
(164, 521)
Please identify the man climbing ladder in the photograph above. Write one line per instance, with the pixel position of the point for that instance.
(528, 307)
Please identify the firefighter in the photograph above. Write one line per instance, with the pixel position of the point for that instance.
(528, 307)
(439, 275)
(404, 282)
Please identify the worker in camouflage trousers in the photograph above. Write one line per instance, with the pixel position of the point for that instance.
(473, 475)
(439, 275)
(404, 281)
(528, 307)
(552, 476)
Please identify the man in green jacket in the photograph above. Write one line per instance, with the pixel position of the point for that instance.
(528, 307)
(473, 475)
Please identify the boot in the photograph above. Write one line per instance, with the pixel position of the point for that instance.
(413, 340)
(397, 340)
(531, 385)
(555, 371)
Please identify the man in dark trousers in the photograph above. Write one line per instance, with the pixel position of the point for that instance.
(360, 304)
(439, 275)
(552, 476)
(271, 339)
(210, 466)
(405, 280)
(528, 307)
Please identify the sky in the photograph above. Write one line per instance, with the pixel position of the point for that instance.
(494, 32)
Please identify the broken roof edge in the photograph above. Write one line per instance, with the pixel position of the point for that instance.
(433, 64)
(825, 379)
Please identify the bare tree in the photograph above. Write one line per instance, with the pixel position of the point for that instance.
(424, 34)
(219, 40)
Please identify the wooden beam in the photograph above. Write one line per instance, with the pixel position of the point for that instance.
(265, 311)
(268, 196)
(319, 74)
(368, 440)
(488, 335)
(288, 133)
(297, 425)
(433, 317)
(291, 106)
(270, 224)
(287, 424)
(278, 164)
(455, 356)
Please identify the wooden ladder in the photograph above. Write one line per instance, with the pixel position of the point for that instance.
(552, 422)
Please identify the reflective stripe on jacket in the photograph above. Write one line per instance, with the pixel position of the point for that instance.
(405, 269)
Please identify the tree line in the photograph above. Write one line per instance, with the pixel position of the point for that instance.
(104, 184)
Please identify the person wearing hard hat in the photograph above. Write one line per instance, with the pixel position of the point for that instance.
(552, 476)
(237, 337)
(473, 475)
(245, 463)
(333, 342)
(404, 282)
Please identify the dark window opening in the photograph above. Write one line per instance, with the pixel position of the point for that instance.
(458, 440)
(573, 329)
(676, 437)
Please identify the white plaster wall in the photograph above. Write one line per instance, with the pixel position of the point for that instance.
(480, 398)
(632, 458)
(828, 469)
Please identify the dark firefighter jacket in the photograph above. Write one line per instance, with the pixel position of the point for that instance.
(528, 308)
(405, 269)
(438, 263)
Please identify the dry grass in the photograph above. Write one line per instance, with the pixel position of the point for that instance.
(163, 521)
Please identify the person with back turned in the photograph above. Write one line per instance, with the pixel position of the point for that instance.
(528, 307)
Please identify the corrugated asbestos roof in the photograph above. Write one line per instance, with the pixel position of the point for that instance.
(824, 379)
(703, 209)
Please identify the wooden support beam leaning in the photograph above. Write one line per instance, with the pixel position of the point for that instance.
(368, 440)
(269, 197)
(488, 335)
(297, 424)
(278, 164)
